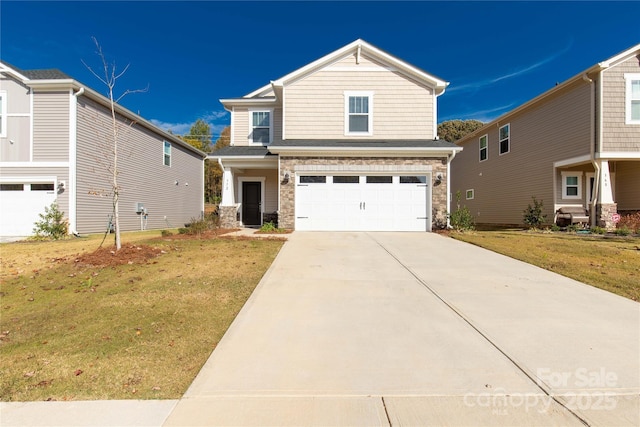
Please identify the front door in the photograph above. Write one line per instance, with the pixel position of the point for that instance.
(251, 203)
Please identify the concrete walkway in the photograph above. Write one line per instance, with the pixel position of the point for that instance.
(379, 329)
(417, 329)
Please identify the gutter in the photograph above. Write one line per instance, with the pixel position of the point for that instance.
(592, 149)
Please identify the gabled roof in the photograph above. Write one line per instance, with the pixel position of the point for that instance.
(584, 75)
(357, 47)
(54, 78)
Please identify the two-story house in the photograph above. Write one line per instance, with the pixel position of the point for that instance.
(55, 146)
(345, 143)
(578, 144)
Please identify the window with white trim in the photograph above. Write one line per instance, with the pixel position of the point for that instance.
(484, 149)
(470, 194)
(572, 185)
(358, 107)
(3, 113)
(261, 127)
(632, 106)
(166, 153)
(503, 136)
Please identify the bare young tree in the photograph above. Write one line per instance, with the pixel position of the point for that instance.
(109, 77)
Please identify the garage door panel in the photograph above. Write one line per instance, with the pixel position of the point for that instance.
(19, 210)
(374, 204)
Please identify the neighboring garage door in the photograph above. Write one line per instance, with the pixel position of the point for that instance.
(363, 203)
(20, 204)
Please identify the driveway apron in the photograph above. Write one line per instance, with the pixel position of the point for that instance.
(418, 329)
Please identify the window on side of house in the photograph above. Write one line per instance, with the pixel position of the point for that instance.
(571, 185)
(632, 106)
(484, 149)
(358, 113)
(504, 135)
(3, 113)
(313, 179)
(470, 194)
(167, 153)
(261, 125)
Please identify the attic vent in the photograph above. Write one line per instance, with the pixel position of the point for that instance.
(358, 55)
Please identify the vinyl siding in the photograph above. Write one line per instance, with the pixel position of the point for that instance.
(554, 130)
(142, 176)
(51, 126)
(31, 174)
(271, 186)
(616, 135)
(243, 126)
(16, 147)
(627, 185)
(315, 105)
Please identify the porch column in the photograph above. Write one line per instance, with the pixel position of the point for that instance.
(228, 211)
(605, 207)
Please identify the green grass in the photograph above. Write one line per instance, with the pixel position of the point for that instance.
(133, 331)
(609, 263)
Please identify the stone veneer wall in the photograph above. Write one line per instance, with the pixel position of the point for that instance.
(286, 215)
(605, 213)
(228, 216)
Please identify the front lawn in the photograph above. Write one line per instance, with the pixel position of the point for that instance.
(606, 262)
(74, 326)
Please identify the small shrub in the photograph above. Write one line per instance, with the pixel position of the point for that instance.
(461, 219)
(532, 215)
(555, 227)
(572, 228)
(52, 224)
(268, 227)
(166, 233)
(598, 230)
(631, 221)
(183, 230)
(623, 231)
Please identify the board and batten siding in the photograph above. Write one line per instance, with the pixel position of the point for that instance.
(616, 135)
(16, 146)
(315, 105)
(51, 126)
(554, 130)
(172, 195)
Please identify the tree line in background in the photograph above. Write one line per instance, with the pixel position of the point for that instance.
(200, 137)
(453, 130)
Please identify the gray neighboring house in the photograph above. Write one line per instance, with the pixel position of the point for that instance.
(53, 133)
(575, 146)
(345, 143)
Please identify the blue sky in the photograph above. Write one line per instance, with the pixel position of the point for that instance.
(497, 55)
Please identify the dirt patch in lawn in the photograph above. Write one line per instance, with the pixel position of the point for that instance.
(128, 254)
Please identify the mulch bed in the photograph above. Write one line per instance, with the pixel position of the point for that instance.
(128, 254)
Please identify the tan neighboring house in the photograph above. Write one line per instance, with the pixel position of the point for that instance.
(53, 132)
(576, 145)
(345, 143)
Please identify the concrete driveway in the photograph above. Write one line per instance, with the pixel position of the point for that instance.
(418, 329)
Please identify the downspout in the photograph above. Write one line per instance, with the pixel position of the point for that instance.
(592, 149)
(73, 167)
(449, 160)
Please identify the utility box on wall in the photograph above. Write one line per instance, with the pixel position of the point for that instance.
(139, 207)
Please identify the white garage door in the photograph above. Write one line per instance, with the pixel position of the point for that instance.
(363, 203)
(20, 204)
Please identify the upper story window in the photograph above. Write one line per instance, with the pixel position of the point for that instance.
(261, 127)
(632, 98)
(167, 153)
(3, 113)
(571, 185)
(484, 149)
(503, 134)
(358, 113)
